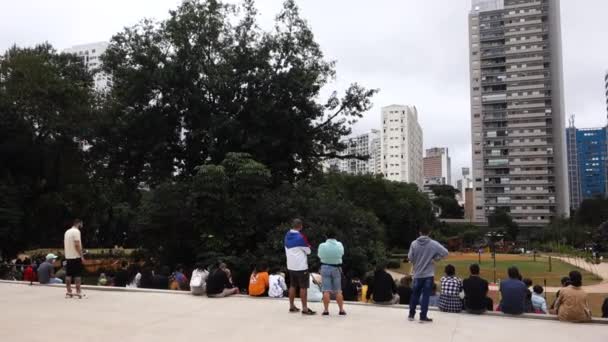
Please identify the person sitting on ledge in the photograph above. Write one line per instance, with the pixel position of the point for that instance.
(539, 304)
(513, 292)
(528, 306)
(565, 283)
(198, 282)
(46, 271)
(259, 281)
(404, 290)
(122, 276)
(475, 292)
(219, 284)
(451, 286)
(178, 280)
(434, 297)
(572, 305)
(382, 287)
(605, 308)
(276, 283)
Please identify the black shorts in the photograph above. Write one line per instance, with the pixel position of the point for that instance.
(299, 279)
(73, 268)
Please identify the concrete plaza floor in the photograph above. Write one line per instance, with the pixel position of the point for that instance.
(35, 313)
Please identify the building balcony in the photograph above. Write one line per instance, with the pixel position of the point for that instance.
(529, 153)
(532, 201)
(524, 5)
(525, 23)
(531, 211)
(530, 182)
(530, 173)
(530, 192)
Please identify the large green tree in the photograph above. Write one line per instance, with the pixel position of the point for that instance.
(502, 220)
(445, 198)
(209, 81)
(45, 106)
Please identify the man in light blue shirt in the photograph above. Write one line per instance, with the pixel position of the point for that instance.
(331, 252)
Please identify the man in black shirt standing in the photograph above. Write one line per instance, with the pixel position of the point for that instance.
(475, 292)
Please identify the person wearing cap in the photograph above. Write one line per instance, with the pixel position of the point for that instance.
(46, 271)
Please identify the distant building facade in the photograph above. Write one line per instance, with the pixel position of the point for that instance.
(401, 145)
(363, 145)
(437, 165)
(90, 54)
(464, 183)
(587, 163)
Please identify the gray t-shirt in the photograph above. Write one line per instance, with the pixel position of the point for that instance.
(45, 270)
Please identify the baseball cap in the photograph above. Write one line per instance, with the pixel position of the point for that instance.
(51, 256)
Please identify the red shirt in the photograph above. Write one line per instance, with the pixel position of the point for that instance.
(29, 275)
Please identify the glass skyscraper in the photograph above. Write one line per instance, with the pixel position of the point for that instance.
(587, 163)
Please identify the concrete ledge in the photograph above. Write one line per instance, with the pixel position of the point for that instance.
(594, 320)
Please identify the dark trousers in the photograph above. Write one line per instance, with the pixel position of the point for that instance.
(422, 286)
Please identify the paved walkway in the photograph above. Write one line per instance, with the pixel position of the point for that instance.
(600, 270)
(34, 313)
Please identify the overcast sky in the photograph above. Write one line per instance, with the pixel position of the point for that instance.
(414, 51)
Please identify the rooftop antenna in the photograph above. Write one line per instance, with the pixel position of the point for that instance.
(571, 121)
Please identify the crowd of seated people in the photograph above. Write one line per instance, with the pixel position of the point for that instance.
(518, 295)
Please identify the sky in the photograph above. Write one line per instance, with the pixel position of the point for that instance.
(414, 51)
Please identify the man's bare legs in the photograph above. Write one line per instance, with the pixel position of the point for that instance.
(292, 298)
(304, 299)
(77, 281)
(340, 300)
(68, 285)
(326, 299)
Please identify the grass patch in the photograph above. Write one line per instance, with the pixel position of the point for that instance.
(537, 270)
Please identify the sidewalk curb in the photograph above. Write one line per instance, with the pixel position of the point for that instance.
(594, 320)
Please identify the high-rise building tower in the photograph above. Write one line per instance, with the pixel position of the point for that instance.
(517, 110)
(587, 163)
(437, 167)
(364, 145)
(90, 54)
(401, 141)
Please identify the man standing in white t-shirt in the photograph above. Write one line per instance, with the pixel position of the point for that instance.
(74, 257)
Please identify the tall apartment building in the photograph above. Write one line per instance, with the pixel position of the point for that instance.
(365, 145)
(90, 54)
(401, 140)
(437, 166)
(587, 163)
(517, 110)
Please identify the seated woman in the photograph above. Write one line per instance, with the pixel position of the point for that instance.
(259, 281)
(277, 288)
(572, 305)
(315, 295)
(198, 281)
(219, 284)
(451, 286)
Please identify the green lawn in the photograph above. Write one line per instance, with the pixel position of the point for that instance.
(537, 270)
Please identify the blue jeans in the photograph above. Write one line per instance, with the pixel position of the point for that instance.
(422, 286)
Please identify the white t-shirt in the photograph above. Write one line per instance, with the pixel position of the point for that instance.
(71, 236)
